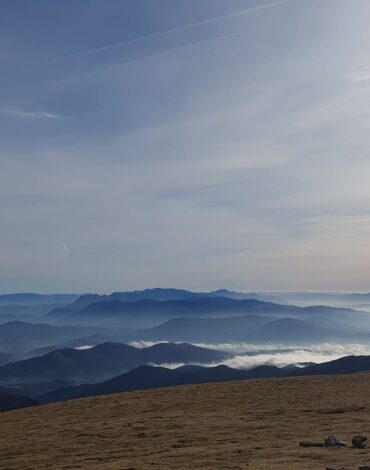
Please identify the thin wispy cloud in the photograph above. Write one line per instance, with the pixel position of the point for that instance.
(230, 150)
(154, 55)
(172, 49)
(178, 29)
(19, 113)
(361, 77)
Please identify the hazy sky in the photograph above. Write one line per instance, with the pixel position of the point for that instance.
(184, 143)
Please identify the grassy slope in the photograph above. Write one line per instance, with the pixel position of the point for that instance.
(249, 425)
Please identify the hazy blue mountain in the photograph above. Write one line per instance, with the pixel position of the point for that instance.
(151, 312)
(18, 337)
(80, 342)
(5, 358)
(78, 302)
(318, 298)
(101, 362)
(27, 310)
(155, 294)
(37, 299)
(210, 330)
(153, 377)
(243, 328)
(134, 296)
(295, 298)
(288, 330)
(26, 313)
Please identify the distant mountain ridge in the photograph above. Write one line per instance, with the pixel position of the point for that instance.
(154, 319)
(5, 358)
(9, 312)
(309, 298)
(101, 362)
(78, 301)
(17, 337)
(241, 328)
(147, 377)
(37, 299)
(132, 312)
(153, 294)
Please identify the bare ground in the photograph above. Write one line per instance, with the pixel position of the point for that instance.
(235, 425)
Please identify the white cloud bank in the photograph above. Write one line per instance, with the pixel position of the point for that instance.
(248, 356)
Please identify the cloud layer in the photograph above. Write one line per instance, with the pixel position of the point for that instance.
(248, 356)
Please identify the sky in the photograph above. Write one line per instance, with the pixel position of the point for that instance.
(199, 144)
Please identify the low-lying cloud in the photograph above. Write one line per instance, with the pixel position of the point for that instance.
(248, 356)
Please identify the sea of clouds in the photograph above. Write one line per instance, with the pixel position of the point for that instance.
(248, 356)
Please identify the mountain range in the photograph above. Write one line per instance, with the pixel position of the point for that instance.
(160, 294)
(17, 337)
(85, 341)
(243, 328)
(65, 367)
(149, 313)
(307, 298)
(100, 362)
(147, 377)
(37, 299)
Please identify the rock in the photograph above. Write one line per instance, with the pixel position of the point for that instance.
(359, 442)
(332, 441)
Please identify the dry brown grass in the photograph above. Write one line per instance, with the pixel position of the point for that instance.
(251, 425)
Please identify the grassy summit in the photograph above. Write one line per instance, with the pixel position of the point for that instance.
(252, 424)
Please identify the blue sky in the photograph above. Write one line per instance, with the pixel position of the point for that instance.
(184, 143)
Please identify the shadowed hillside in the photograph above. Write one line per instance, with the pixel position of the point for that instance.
(235, 425)
(12, 402)
(147, 377)
(102, 361)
